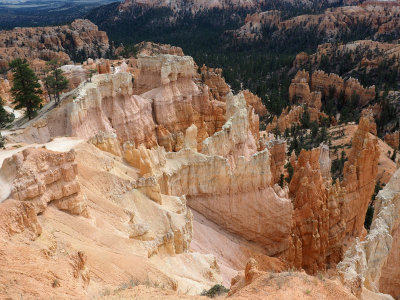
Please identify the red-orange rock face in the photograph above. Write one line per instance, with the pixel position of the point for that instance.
(255, 102)
(277, 150)
(321, 81)
(290, 117)
(218, 88)
(393, 139)
(359, 178)
(299, 91)
(311, 213)
(327, 217)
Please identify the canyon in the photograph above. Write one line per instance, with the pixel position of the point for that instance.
(152, 178)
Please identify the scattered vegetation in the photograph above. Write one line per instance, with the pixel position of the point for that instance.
(2, 138)
(371, 207)
(5, 117)
(307, 135)
(337, 166)
(26, 87)
(216, 290)
(55, 81)
(55, 283)
(290, 171)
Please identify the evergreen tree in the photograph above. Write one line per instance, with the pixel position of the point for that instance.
(55, 81)
(1, 141)
(5, 117)
(305, 119)
(26, 87)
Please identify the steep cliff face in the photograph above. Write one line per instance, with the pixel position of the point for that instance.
(371, 263)
(177, 101)
(359, 175)
(240, 185)
(64, 43)
(310, 202)
(329, 216)
(218, 88)
(105, 104)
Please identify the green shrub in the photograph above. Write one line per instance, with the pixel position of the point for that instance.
(216, 290)
(368, 217)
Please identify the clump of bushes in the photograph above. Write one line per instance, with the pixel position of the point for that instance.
(216, 290)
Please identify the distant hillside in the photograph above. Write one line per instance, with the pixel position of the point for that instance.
(28, 13)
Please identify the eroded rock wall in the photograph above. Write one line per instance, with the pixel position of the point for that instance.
(42, 177)
(371, 263)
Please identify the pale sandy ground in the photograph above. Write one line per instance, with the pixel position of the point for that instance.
(62, 144)
(17, 113)
(269, 286)
(232, 252)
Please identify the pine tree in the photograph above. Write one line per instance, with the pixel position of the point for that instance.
(26, 87)
(55, 81)
(5, 117)
(1, 141)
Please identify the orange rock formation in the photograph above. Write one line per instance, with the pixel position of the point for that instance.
(46, 43)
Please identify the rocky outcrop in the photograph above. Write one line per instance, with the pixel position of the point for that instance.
(63, 43)
(74, 74)
(328, 217)
(240, 185)
(331, 24)
(170, 102)
(177, 101)
(152, 49)
(291, 116)
(311, 213)
(393, 139)
(253, 283)
(371, 263)
(218, 88)
(42, 177)
(255, 102)
(359, 175)
(304, 90)
(323, 82)
(299, 91)
(104, 104)
(277, 150)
